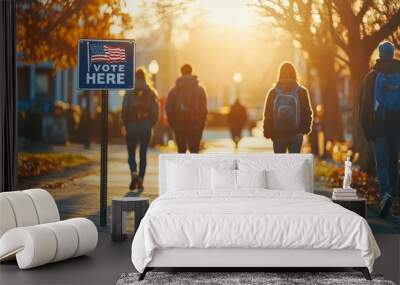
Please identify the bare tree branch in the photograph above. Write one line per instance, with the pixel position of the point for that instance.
(337, 38)
(385, 31)
(367, 4)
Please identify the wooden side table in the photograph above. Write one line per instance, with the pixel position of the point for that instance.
(357, 205)
(120, 207)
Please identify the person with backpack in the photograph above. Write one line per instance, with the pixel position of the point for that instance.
(237, 119)
(139, 114)
(380, 122)
(186, 109)
(288, 114)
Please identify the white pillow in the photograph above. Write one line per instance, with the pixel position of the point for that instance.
(188, 177)
(282, 174)
(293, 180)
(251, 178)
(187, 174)
(223, 179)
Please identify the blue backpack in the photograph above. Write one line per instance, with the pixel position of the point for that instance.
(286, 115)
(387, 95)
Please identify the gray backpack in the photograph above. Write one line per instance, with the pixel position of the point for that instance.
(286, 115)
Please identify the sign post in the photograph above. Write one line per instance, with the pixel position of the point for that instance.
(103, 158)
(105, 65)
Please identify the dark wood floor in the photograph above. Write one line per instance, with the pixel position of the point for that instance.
(110, 260)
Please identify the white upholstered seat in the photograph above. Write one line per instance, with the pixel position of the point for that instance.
(31, 230)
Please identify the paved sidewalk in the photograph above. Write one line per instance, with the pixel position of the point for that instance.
(77, 191)
(78, 195)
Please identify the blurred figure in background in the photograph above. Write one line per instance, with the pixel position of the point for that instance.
(162, 132)
(379, 118)
(166, 128)
(139, 114)
(237, 119)
(288, 114)
(186, 110)
(85, 127)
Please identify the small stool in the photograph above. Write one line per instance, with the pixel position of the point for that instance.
(120, 207)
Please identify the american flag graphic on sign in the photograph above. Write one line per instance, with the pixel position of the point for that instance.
(107, 53)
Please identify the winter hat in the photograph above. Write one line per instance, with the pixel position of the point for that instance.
(386, 50)
(186, 69)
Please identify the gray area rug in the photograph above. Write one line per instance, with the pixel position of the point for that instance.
(243, 278)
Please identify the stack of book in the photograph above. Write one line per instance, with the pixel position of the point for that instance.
(344, 194)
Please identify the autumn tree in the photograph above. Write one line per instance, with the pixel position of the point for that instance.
(307, 23)
(165, 16)
(357, 28)
(49, 30)
(168, 20)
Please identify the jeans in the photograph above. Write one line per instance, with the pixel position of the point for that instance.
(292, 144)
(386, 156)
(138, 133)
(188, 139)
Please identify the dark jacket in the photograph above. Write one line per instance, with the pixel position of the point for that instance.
(187, 82)
(237, 117)
(129, 100)
(306, 113)
(373, 126)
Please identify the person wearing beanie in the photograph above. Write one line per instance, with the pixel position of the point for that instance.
(288, 114)
(379, 119)
(386, 50)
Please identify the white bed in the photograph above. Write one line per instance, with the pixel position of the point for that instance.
(248, 227)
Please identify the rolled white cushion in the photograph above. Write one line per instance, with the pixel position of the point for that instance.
(67, 240)
(87, 235)
(23, 208)
(33, 246)
(40, 244)
(45, 205)
(7, 218)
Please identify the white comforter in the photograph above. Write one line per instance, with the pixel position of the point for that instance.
(250, 219)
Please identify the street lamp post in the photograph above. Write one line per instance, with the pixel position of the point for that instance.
(154, 68)
(237, 79)
(157, 137)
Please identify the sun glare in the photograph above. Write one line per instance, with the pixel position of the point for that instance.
(228, 13)
(233, 13)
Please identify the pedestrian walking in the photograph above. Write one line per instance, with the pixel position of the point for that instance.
(237, 120)
(139, 114)
(288, 114)
(186, 109)
(379, 119)
(162, 132)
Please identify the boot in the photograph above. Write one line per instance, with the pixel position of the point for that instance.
(134, 181)
(396, 207)
(140, 184)
(386, 205)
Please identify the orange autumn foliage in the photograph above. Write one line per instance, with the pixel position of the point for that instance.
(49, 30)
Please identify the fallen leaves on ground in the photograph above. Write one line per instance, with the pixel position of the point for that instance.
(36, 164)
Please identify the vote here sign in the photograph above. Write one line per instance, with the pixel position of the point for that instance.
(106, 64)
